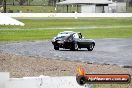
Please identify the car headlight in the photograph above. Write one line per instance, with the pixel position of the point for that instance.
(53, 40)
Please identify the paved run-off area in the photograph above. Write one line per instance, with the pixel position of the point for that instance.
(107, 51)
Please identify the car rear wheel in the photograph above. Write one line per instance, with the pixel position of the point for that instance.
(74, 47)
(56, 47)
(90, 47)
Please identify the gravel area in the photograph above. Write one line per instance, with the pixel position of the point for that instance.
(116, 51)
(21, 66)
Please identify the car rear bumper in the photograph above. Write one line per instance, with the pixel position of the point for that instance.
(66, 45)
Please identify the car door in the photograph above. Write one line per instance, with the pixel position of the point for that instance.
(83, 43)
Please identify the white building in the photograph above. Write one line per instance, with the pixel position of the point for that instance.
(95, 6)
(117, 7)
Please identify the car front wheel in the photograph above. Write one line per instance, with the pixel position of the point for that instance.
(56, 47)
(90, 47)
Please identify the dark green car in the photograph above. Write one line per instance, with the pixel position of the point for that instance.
(72, 40)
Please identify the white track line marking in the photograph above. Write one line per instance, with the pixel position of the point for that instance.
(68, 28)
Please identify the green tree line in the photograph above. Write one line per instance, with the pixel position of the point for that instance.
(31, 2)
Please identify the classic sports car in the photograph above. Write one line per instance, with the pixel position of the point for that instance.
(72, 40)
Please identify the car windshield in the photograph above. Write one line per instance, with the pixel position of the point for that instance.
(63, 34)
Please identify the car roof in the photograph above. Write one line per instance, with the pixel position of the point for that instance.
(68, 32)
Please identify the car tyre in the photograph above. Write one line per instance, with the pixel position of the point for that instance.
(56, 47)
(74, 47)
(90, 47)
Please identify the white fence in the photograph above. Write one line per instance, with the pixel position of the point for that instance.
(65, 15)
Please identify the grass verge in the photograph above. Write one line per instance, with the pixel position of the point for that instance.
(47, 29)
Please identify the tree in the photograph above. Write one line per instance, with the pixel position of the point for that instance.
(1, 1)
(4, 5)
(13, 2)
(29, 1)
(21, 2)
(53, 2)
(130, 3)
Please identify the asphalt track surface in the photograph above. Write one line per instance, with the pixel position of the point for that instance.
(117, 51)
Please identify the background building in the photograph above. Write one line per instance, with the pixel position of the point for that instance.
(96, 6)
(48, 6)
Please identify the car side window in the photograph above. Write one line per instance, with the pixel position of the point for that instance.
(75, 36)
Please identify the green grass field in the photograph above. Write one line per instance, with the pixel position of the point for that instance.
(40, 9)
(47, 9)
(129, 9)
(46, 29)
